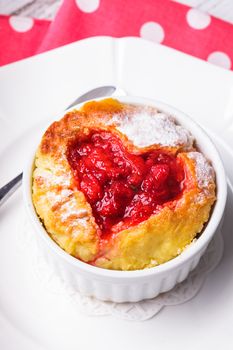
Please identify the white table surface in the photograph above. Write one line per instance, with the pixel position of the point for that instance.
(47, 8)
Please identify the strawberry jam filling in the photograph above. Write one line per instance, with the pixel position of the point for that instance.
(123, 188)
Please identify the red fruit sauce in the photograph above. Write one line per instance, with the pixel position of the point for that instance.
(123, 188)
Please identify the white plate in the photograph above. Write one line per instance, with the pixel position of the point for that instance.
(30, 317)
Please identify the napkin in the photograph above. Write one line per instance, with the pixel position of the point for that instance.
(163, 22)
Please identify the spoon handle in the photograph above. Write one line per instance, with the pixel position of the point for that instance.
(7, 190)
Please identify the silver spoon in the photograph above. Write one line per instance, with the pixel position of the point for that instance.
(7, 190)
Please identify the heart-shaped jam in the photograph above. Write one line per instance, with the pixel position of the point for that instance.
(123, 188)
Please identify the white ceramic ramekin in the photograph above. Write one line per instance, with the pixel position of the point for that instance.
(131, 286)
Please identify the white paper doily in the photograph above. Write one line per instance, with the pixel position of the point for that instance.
(139, 311)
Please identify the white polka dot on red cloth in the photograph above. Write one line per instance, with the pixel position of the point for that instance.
(21, 24)
(197, 19)
(88, 5)
(152, 31)
(220, 59)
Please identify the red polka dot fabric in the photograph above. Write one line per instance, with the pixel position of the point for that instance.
(160, 21)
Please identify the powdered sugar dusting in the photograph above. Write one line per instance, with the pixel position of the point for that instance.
(70, 209)
(146, 128)
(53, 178)
(67, 203)
(55, 197)
(204, 171)
(77, 224)
(200, 196)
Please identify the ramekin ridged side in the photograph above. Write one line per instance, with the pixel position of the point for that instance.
(120, 290)
(132, 286)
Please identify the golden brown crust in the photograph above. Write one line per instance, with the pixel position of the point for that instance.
(67, 216)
